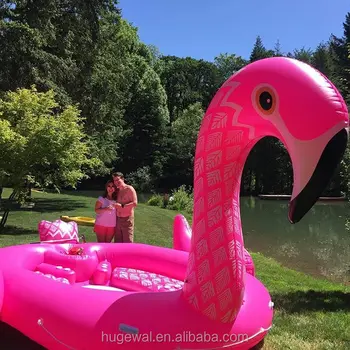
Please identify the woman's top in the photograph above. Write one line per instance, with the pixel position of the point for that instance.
(107, 218)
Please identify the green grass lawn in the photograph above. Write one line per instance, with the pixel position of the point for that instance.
(309, 313)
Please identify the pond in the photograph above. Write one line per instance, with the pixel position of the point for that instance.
(318, 245)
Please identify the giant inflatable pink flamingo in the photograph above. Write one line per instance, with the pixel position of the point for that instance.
(97, 297)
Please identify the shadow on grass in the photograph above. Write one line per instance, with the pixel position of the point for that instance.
(82, 193)
(141, 197)
(11, 338)
(48, 205)
(53, 205)
(298, 302)
(17, 231)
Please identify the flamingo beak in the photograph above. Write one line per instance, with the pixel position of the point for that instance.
(310, 190)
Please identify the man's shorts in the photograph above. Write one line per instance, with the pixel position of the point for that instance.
(124, 230)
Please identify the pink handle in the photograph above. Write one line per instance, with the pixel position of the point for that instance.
(57, 271)
(102, 274)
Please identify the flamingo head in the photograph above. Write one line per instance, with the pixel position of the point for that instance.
(295, 103)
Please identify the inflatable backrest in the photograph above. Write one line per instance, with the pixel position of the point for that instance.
(58, 230)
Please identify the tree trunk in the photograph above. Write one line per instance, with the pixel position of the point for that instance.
(6, 209)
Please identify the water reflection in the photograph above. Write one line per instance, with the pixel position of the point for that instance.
(318, 245)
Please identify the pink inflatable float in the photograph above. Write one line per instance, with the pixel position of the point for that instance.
(182, 241)
(84, 296)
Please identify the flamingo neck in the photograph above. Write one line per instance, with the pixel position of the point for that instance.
(214, 284)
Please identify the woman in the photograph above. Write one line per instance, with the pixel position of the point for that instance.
(106, 218)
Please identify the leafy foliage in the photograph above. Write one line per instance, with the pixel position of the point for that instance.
(181, 200)
(156, 200)
(40, 146)
(141, 180)
(185, 130)
(228, 64)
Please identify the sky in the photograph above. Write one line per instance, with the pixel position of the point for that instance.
(203, 29)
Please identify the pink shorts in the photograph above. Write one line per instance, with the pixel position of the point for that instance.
(104, 230)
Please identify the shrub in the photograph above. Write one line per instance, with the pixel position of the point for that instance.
(181, 199)
(156, 201)
(189, 205)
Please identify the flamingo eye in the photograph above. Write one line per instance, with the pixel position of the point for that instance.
(265, 99)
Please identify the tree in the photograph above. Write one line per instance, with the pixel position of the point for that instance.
(155, 55)
(39, 146)
(146, 117)
(51, 44)
(340, 56)
(322, 60)
(187, 81)
(181, 146)
(304, 55)
(257, 169)
(24, 61)
(277, 49)
(185, 130)
(259, 51)
(111, 89)
(228, 64)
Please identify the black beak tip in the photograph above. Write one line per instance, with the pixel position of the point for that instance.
(291, 212)
(292, 219)
(296, 211)
(330, 159)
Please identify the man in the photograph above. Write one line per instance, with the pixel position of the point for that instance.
(126, 202)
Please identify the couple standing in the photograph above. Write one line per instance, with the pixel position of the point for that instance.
(115, 212)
